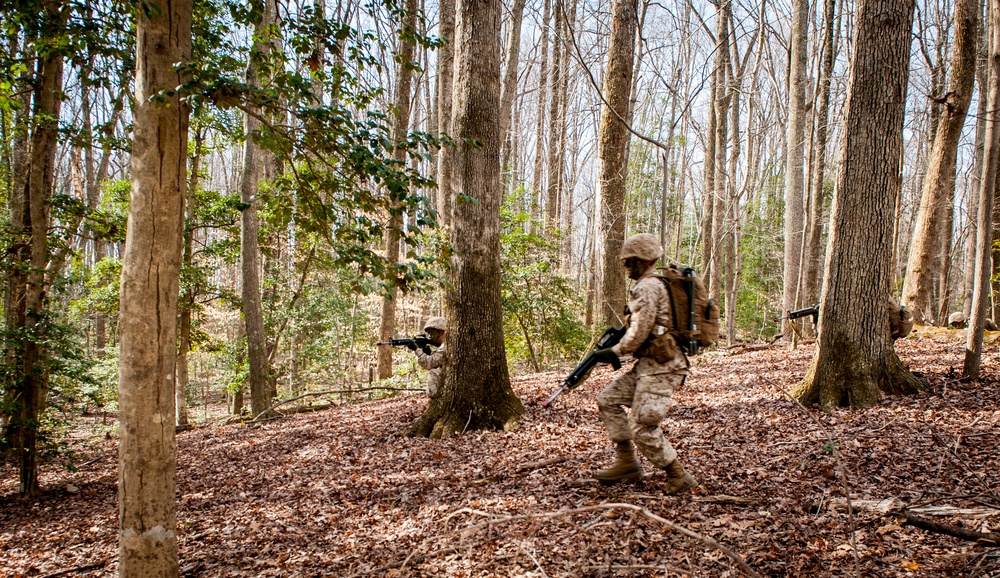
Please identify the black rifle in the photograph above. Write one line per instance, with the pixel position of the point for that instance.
(610, 338)
(812, 310)
(420, 341)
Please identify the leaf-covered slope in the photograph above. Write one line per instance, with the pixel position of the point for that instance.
(341, 492)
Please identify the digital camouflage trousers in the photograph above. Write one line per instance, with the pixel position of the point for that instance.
(646, 389)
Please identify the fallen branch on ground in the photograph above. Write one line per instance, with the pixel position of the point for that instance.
(963, 533)
(69, 571)
(329, 392)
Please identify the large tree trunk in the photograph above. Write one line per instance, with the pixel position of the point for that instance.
(855, 359)
(400, 129)
(445, 82)
(937, 197)
(812, 267)
(794, 156)
(980, 293)
(149, 291)
(612, 142)
(254, 159)
(476, 391)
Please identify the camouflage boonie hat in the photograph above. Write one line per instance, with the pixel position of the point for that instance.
(435, 323)
(644, 246)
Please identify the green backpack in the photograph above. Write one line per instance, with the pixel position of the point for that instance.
(696, 317)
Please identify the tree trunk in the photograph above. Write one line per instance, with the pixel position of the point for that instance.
(253, 160)
(812, 268)
(977, 172)
(794, 159)
(937, 198)
(445, 82)
(30, 379)
(721, 105)
(400, 130)
(708, 204)
(543, 78)
(980, 293)
(476, 391)
(612, 142)
(855, 359)
(508, 88)
(555, 162)
(149, 292)
(188, 297)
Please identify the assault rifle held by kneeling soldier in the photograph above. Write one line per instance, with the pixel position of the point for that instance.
(421, 341)
(611, 337)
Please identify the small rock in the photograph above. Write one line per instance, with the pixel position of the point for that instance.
(72, 489)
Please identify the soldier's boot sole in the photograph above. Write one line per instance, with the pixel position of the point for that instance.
(680, 485)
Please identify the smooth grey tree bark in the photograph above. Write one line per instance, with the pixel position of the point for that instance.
(149, 291)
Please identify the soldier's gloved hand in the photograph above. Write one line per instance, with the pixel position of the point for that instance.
(427, 349)
(607, 355)
(411, 345)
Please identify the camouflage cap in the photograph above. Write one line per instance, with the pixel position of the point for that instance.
(644, 246)
(435, 323)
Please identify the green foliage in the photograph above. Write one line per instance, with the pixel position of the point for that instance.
(761, 245)
(540, 304)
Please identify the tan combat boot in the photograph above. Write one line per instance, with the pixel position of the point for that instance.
(678, 480)
(625, 467)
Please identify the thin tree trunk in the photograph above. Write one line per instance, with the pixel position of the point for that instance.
(31, 375)
(984, 236)
(977, 172)
(543, 76)
(446, 63)
(254, 159)
(719, 197)
(149, 292)
(932, 234)
(188, 297)
(794, 151)
(559, 55)
(508, 88)
(401, 125)
(612, 142)
(812, 268)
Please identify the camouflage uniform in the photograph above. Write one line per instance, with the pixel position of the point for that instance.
(432, 362)
(648, 386)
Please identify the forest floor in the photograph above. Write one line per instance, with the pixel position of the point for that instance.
(340, 492)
